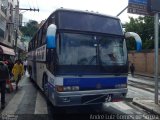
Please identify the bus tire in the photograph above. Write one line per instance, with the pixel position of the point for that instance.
(44, 84)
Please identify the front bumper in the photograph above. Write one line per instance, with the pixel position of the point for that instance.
(89, 97)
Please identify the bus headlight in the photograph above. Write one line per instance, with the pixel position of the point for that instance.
(75, 88)
(121, 86)
(67, 88)
(71, 88)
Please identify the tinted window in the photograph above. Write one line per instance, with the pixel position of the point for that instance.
(89, 22)
(77, 49)
(81, 49)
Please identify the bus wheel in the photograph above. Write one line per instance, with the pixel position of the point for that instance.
(45, 84)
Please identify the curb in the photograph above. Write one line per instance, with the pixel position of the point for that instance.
(150, 76)
(128, 99)
(146, 108)
(144, 75)
(152, 91)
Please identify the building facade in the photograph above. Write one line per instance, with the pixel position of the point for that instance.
(143, 61)
(6, 29)
(9, 29)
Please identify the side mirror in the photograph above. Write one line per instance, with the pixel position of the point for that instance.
(51, 36)
(136, 37)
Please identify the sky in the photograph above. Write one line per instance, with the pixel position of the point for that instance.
(46, 7)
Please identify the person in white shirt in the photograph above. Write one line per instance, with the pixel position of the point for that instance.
(25, 63)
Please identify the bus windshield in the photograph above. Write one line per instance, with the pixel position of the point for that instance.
(85, 49)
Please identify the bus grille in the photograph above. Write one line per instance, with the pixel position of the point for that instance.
(93, 99)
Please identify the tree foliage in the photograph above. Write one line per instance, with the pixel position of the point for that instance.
(144, 26)
(29, 29)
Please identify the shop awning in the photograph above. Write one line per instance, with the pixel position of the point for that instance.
(6, 50)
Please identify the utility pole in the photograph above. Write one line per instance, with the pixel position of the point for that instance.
(156, 32)
(153, 7)
(17, 9)
(16, 26)
(122, 11)
(16, 38)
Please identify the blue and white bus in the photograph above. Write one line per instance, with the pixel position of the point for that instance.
(80, 58)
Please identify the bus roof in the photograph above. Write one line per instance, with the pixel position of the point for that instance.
(87, 12)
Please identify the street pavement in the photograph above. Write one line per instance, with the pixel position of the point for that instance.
(26, 100)
(25, 103)
(149, 105)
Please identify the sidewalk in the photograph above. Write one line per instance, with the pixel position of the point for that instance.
(139, 79)
(148, 105)
(26, 74)
(145, 75)
(142, 80)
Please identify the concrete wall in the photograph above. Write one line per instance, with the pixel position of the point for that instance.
(143, 61)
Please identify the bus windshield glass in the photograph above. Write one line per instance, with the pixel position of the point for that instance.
(89, 22)
(83, 49)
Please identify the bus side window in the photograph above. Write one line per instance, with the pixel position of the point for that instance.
(58, 44)
(43, 36)
(40, 37)
(51, 60)
(48, 55)
(36, 41)
(44, 32)
(32, 45)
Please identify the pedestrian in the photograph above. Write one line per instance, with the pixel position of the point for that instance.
(25, 63)
(132, 69)
(10, 64)
(4, 75)
(17, 72)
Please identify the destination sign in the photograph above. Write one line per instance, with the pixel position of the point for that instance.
(138, 7)
(144, 2)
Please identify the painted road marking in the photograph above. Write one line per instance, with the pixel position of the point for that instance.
(122, 106)
(41, 106)
(12, 106)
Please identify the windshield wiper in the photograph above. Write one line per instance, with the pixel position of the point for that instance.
(112, 57)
